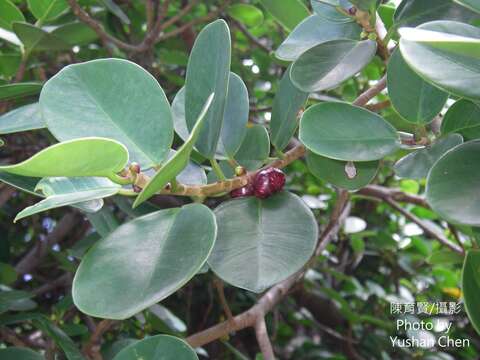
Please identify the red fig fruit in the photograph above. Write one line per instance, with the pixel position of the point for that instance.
(268, 182)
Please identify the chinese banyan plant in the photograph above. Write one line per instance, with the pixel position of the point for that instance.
(241, 217)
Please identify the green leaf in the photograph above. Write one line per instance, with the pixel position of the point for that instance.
(24, 183)
(289, 13)
(452, 184)
(247, 14)
(417, 164)
(15, 300)
(470, 4)
(9, 64)
(446, 54)
(169, 347)
(274, 236)
(103, 221)
(463, 117)
(75, 33)
(313, 31)
(144, 261)
(287, 103)
(416, 12)
(35, 38)
(235, 118)
(8, 14)
(27, 117)
(177, 162)
(414, 99)
(345, 132)
(79, 102)
(445, 257)
(255, 148)
(19, 90)
(471, 287)
(333, 171)
(47, 10)
(327, 65)
(80, 157)
(206, 75)
(115, 10)
(329, 10)
(14, 353)
(69, 191)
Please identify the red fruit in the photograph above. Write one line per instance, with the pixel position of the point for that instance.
(268, 182)
(247, 190)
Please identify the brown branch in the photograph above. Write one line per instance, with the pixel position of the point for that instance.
(263, 339)
(92, 347)
(384, 193)
(368, 95)
(223, 300)
(257, 42)
(378, 106)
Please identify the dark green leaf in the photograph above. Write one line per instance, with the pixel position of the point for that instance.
(19, 90)
(463, 117)
(8, 14)
(471, 287)
(289, 13)
(46, 10)
(255, 148)
(35, 38)
(14, 353)
(24, 118)
(75, 33)
(247, 14)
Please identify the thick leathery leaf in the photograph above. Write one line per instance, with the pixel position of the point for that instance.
(255, 148)
(417, 164)
(9, 13)
(208, 74)
(19, 90)
(47, 10)
(34, 38)
(452, 184)
(327, 65)
(345, 132)
(312, 31)
(287, 103)
(177, 162)
(414, 99)
(69, 191)
(445, 53)
(80, 157)
(79, 102)
(333, 171)
(134, 264)
(463, 117)
(274, 236)
(471, 287)
(289, 13)
(27, 117)
(18, 353)
(168, 346)
(334, 10)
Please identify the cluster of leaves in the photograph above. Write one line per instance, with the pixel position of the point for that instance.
(122, 154)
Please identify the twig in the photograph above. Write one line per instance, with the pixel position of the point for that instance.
(92, 347)
(368, 95)
(263, 339)
(257, 42)
(378, 106)
(223, 300)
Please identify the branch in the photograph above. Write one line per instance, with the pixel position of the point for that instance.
(368, 95)
(250, 36)
(263, 339)
(92, 347)
(223, 300)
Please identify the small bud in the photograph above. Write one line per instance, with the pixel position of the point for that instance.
(268, 182)
(350, 170)
(363, 34)
(352, 11)
(135, 168)
(372, 36)
(136, 188)
(247, 190)
(240, 171)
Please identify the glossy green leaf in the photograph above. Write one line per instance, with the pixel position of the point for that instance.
(471, 287)
(15, 300)
(69, 191)
(334, 10)
(9, 64)
(287, 103)
(445, 257)
(79, 102)
(144, 261)
(312, 31)
(235, 118)
(80, 157)
(24, 183)
(14, 353)
(169, 347)
(275, 237)
(463, 117)
(414, 99)
(27, 117)
(115, 10)
(446, 54)
(177, 162)
(452, 184)
(8, 14)
(345, 132)
(206, 75)
(35, 38)
(470, 4)
(103, 221)
(46, 10)
(289, 13)
(75, 33)
(417, 164)
(327, 65)
(333, 171)
(247, 14)
(19, 90)
(255, 148)
(416, 12)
